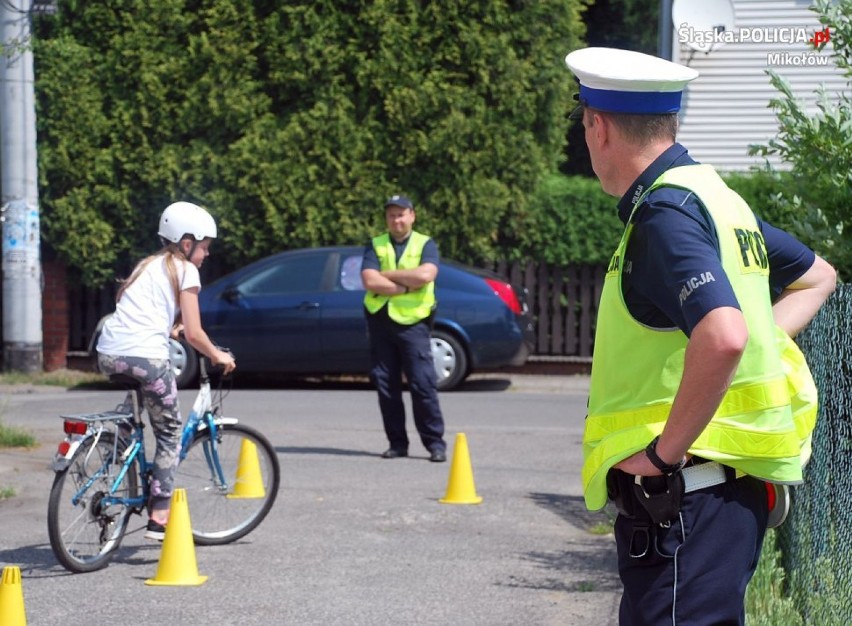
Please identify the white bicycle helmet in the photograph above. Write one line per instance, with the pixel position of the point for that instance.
(185, 218)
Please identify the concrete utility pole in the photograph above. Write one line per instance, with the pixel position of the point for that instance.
(22, 276)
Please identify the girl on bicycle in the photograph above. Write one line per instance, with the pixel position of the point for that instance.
(160, 297)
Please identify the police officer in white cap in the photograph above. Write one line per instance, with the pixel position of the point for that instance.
(690, 417)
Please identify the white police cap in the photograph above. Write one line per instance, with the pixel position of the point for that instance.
(623, 81)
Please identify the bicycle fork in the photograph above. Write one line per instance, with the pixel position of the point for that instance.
(209, 422)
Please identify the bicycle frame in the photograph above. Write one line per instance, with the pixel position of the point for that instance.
(135, 453)
(79, 428)
(201, 417)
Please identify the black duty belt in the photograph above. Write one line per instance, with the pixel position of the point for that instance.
(658, 498)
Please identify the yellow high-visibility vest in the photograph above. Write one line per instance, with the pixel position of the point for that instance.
(764, 422)
(417, 304)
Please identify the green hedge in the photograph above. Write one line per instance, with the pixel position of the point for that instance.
(762, 190)
(293, 121)
(569, 219)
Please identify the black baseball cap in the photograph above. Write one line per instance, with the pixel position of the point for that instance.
(400, 201)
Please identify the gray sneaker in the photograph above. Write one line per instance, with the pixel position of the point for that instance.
(155, 531)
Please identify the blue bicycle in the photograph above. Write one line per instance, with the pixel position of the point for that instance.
(229, 471)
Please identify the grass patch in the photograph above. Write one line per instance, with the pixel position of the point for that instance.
(601, 528)
(6, 492)
(11, 437)
(57, 378)
(766, 603)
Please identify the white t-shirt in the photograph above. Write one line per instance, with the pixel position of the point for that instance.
(146, 312)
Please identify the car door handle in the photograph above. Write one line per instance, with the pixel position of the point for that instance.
(304, 306)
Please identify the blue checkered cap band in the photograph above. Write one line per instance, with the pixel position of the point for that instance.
(622, 81)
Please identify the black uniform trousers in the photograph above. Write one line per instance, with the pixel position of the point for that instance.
(396, 349)
(694, 570)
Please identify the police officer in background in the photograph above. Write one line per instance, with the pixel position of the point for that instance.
(398, 271)
(691, 418)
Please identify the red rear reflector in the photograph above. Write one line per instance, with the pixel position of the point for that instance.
(75, 428)
(63, 448)
(506, 293)
(770, 495)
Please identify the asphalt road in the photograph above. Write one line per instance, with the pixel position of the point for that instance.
(353, 539)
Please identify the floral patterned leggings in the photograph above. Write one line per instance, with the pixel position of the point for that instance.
(160, 399)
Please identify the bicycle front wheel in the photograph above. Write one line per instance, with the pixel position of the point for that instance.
(86, 527)
(231, 481)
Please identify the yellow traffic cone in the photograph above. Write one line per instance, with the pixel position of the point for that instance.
(12, 598)
(460, 487)
(249, 483)
(177, 558)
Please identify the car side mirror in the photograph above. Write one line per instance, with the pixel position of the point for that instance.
(231, 294)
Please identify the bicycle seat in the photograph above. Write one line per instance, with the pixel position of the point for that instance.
(134, 387)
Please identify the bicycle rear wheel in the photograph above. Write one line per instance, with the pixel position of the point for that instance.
(84, 531)
(231, 482)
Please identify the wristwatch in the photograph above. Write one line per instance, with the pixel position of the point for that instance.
(665, 468)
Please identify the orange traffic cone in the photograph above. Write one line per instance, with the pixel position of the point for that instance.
(249, 483)
(12, 598)
(460, 487)
(177, 558)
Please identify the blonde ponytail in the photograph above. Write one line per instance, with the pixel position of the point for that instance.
(170, 252)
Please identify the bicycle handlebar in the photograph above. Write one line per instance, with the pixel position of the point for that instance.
(205, 365)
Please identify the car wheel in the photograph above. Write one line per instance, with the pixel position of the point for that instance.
(184, 362)
(450, 360)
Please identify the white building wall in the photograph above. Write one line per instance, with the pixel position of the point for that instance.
(726, 108)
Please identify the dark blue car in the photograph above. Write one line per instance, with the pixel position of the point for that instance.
(301, 312)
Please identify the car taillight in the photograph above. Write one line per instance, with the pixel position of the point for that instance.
(506, 293)
(75, 428)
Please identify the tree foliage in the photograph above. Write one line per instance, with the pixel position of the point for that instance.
(819, 147)
(626, 24)
(292, 121)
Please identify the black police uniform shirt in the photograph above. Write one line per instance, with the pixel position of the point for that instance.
(371, 260)
(674, 241)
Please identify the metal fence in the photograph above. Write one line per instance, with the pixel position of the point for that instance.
(815, 541)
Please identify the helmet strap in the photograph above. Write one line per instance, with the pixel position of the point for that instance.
(189, 253)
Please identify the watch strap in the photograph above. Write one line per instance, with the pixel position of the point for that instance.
(665, 468)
